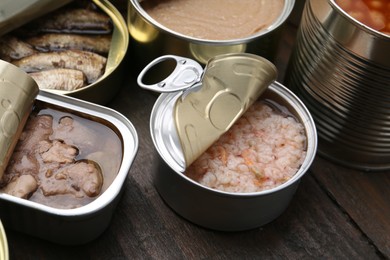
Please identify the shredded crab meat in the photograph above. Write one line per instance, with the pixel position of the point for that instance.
(264, 149)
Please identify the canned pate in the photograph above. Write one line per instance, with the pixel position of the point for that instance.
(153, 37)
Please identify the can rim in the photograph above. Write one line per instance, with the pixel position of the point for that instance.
(356, 22)
(3, 244)
(311, 134)
(287, 9)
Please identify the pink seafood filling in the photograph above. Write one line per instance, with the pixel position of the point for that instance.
(262, 150)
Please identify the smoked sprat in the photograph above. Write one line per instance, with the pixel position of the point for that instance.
(57, 48)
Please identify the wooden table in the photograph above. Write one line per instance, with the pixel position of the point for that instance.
(336, 213)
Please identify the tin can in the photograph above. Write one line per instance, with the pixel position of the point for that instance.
(340, 68)
(106, 87)
(4, 255)
(151, 40)
(81, 222)
(215, 209)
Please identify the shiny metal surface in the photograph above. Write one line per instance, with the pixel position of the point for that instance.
(217, 209)
(340, 68)
(4, 254)
(230, 85)
(186, 73)
(151, 40)
(83, 224)
(17, 92)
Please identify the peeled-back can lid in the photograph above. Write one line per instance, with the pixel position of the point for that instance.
(14, 14)
(4, 255)
(17, 94)
(213, 99)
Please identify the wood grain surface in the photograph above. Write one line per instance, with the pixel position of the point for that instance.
(336, 213)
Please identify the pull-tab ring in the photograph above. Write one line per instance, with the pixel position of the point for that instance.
(186, 73)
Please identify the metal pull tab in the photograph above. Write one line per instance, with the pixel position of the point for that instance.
(186, 73)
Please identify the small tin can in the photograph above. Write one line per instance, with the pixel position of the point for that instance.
(4, 255)
(106, 87)
(215, 209)
(340, 68)
(151, 40)
(82, 221)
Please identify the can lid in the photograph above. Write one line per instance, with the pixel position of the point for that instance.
(17, 94)
(212, 100)
(14, 14)
(4, 255)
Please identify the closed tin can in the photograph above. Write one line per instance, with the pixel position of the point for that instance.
(73, 211)
(107, 85)
(151, 39)
(217, 209)
(340, 68)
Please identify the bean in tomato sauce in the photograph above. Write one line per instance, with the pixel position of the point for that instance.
(373, 13)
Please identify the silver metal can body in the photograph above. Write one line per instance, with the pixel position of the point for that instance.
(216, 209)
(82, 224)
(151, 40)
(4, 251)
(340, 69)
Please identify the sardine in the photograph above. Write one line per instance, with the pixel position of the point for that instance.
(69, 20)
(60, 79)
(92, 64)
(57, 42)
(11, 48)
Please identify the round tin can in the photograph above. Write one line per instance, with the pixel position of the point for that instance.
(214, 209)
(107, 85)
(340, 68)
(4, 255)
(152, 40)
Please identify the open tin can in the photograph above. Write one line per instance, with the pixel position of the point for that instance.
(151, 39)
(73, 211)
(229, 85)
(24, 13)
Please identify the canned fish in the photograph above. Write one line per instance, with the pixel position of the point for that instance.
(60, 183)
(75, 49)
(217, 208)
(340, 68)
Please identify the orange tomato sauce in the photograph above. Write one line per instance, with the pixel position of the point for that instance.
(373, 13)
